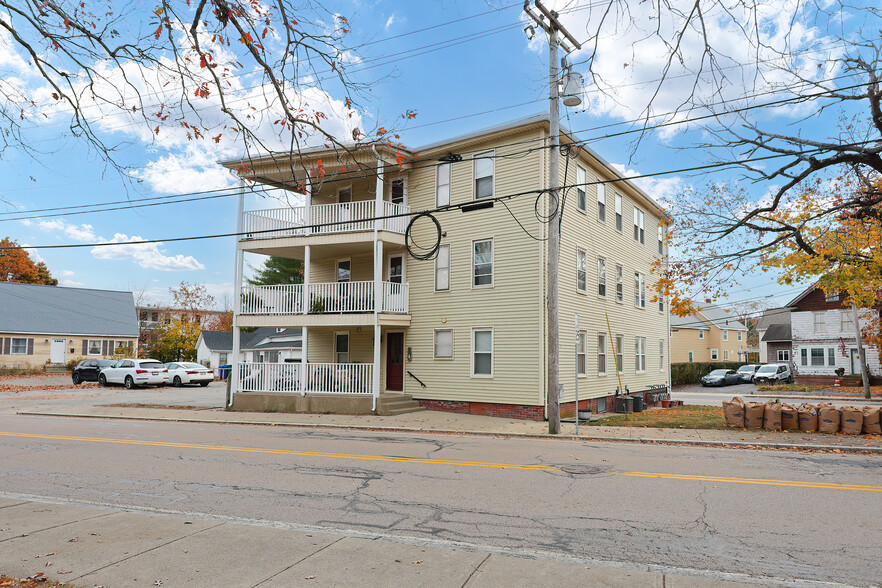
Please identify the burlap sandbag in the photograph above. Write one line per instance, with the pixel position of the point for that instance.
(772, 415)
(753, 414)
(872, 420)
(734, 412)
(828, 418)
(852, 420)
(808, 417)
(789, 417)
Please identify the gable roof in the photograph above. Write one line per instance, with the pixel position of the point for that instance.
(778, 332)
(54, 310)
(720, 317)
(223, 340)
(774, 316)
(688, 322)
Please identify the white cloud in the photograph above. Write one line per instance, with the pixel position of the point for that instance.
(82, 233)
(392, 20)
(66, 273)
(665, 190)
(33, 253)
(147, 255)
(70, 283)
(630, 57)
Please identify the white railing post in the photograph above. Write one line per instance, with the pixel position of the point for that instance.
(304, 354)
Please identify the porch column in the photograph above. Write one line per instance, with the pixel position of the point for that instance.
(378, 278)
(307, 206)
(306, 263)
(237, 295)
(303, 355)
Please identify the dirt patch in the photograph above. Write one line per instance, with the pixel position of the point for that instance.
(141, 405)
(45, 387)
(681, 417)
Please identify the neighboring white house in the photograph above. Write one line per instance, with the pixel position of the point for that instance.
(824, 336)
(265, 345)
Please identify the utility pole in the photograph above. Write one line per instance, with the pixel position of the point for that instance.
(865, 377)
(548, 21)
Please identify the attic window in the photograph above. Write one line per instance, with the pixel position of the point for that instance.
(832, 297)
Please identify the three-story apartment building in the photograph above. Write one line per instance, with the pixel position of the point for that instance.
(465, 330)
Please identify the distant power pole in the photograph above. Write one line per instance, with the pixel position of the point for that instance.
(548, 21)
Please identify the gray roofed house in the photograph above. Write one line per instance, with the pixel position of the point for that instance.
(50, 324)
(774, 327)
(778, 333)
(215, 347)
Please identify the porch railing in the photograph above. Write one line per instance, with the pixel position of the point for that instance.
(331, 218)
(321, 378)
(324, 298)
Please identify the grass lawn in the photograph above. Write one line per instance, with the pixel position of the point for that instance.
(875, 391)
(681, 417)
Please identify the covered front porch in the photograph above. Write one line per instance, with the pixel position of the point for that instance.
(342, 371)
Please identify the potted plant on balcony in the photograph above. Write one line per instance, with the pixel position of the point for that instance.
(317, 306)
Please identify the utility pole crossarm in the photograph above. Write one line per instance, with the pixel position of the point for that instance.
(555, 24)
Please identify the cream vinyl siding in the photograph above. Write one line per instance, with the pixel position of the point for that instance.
(512, 306)
(685, 340)
(602, 240)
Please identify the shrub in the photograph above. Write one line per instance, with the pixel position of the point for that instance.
(72, 363)
(692, 372)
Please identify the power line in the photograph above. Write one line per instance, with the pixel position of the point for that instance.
(446, 208)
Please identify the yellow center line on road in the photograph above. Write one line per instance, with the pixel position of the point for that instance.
(758, 481)
(475, 464)
(452, 462)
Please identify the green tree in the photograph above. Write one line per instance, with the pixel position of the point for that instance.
(278, 270)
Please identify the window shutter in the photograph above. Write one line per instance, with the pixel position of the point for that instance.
(5, 343)
(30, 346)
(85, 347)
(104, 347)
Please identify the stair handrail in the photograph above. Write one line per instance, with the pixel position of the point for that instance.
(416, 378)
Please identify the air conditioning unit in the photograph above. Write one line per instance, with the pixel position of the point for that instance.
(625, 404)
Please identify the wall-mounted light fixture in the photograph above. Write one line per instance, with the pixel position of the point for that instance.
(409, 354)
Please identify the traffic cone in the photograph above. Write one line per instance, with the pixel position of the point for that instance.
(837, 383)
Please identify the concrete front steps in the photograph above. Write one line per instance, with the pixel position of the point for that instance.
(55, 368)
(393, 403)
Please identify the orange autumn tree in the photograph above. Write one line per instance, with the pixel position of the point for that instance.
(16, 265)
(176, 338)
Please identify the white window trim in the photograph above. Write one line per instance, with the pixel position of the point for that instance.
(403, 189)
(601, 351)
(438, 183)
(700, 334)
(823, 322)
(639, 355)
(447, 289)
(337, 269)
(88, 347)
(581, 185)
(601, 199)
(348, 346)
(725, 334)
(846, 326)
(691, 357)
(640, 293)
(435, 345)
(12, 341)
(492, 157)
(601, 276)
(715, 354)
(619, 211)
(783, 351)
(492, 354)
(725, 355)
(661, 355)
(343, 189)
(583, 254)
(388, 272)
(740, 335)
(583, 339)
(620, 281)
(619, 351)
(492, 264)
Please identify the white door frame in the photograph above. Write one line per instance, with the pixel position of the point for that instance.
(55, 345)
(388, 271)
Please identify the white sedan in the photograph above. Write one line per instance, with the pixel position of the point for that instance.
(180, 373)
(134, 372)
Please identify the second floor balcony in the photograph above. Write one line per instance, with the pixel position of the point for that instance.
(324, 303)
(324, 219)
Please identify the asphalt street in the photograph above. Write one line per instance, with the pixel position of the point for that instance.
(714, 396)
(771, 515)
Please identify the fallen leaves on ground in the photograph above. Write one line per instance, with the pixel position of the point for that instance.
(17, 388)
(35, 580)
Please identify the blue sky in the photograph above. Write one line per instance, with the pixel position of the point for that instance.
(487, 64)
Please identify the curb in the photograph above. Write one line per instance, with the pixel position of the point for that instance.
(595, 438)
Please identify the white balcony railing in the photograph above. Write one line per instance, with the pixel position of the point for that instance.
(269, 377)
(322, 378)
(326, 218)
(324, 298)
(281, 299)
(339, 378)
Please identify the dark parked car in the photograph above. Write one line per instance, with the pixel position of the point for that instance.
(746, 372)
(721, 378)
(88, 370)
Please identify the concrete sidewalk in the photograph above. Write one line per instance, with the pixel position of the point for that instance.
(95, 546)
(445, 422)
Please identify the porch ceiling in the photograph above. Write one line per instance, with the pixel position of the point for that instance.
(322, 246)
(324, 320)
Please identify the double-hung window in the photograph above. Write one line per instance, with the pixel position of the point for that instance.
(701, 334)
(94, 347)
(639, 290)
(620, 353)
(482, 263)
(19, 346)
(715, 355)
(442, 185)
(484, 176)
(640, 354)
(831, 356)
(831, 296)
(725, 355)
(819, 325)
(803, 354)
(740, 336)
(341, 347)
(601, 353)
(442, 268)
(396, 193)
(581, 180)
(661, 240)
(661, 354)
(783, 355)
(846, 321)
(443, 343)
(601, 203)
(725, 334)
(618, 203)
(817, 356)
(601, 276)
(581, 270)
(620, 283)
(639, 233)
(482, 352)
(581, 355)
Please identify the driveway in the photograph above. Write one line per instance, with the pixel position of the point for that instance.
(697, 394)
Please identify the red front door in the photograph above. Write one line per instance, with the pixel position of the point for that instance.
(395, 361)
